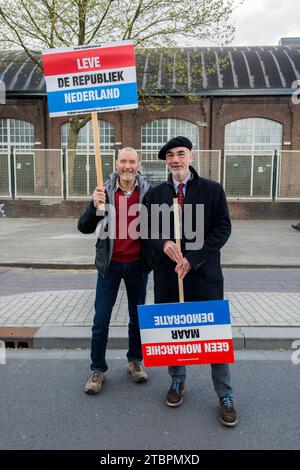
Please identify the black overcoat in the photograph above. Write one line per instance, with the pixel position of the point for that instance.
(205, 280)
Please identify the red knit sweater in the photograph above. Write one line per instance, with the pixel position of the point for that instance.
(126, 250)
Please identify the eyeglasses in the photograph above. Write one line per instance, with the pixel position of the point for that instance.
(180, 154)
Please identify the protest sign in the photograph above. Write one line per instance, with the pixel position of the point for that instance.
(88, 79)
(91, 79)
(186, 333)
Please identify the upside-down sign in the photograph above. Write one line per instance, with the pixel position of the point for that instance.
(186, 333)
(87, 79)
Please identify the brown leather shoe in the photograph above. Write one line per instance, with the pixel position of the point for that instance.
(94, 384)
(175, 394)
(228, 414)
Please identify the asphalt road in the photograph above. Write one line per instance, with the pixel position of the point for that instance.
(17, 281)
(43, 405)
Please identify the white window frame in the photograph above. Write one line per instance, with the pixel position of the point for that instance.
(155, 146)
(10, 144)
(88, 145)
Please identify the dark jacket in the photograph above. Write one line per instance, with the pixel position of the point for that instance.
(205, 280)
(91, 217)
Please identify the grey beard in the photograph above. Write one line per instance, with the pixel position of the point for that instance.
(126, 178)
(175, 173)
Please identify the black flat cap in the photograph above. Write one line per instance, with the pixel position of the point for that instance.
(175, 142)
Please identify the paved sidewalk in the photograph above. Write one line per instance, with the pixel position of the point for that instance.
(57, 242)
(63, 318)
(76, 308)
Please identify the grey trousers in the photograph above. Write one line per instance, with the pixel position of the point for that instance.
(220, 374)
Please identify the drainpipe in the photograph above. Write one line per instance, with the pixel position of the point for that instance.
(210, 122)
(210, 133)
(46, 140)
(274, 182)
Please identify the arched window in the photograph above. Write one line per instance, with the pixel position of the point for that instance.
(81, 174)
(249, 156)
(85, 136)
(256, 134)
(154, 135)
(16, 133)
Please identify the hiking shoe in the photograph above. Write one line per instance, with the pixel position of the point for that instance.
(94, 384)
(296, 227)
(228, 415)
(175, 394)
(137, 372)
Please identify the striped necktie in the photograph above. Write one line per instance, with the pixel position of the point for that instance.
(180, 194)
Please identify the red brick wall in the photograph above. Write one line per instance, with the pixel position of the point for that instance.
(128, 132)
(238, 210)
(128, 123)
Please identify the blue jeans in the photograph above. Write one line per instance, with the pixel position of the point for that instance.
(106, 294)
(220, 376)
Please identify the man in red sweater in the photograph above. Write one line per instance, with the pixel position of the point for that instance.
(117, 257)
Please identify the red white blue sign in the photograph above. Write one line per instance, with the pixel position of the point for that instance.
(88, 79)
(186, 333)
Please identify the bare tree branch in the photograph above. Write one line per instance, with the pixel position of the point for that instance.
(100, 23)
(34, 25)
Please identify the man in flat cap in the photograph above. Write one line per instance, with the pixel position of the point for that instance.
(200, 267)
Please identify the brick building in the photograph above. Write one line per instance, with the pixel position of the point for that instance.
(239, 114)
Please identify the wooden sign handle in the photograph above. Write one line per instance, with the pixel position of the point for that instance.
(98, 162)
(177, 238)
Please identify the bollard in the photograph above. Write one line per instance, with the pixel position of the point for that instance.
(2, 352)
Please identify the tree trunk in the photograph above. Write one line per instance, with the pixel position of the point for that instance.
(71, 152)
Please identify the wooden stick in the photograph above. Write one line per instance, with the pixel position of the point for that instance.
(177, 238)
(98, 162)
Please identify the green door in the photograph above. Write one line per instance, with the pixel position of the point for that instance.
(107, 169)
(262, 175)
(92, 174)
(80, 176)
(4, 175)
(24, 174)
(107, 165)
(238, 175)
